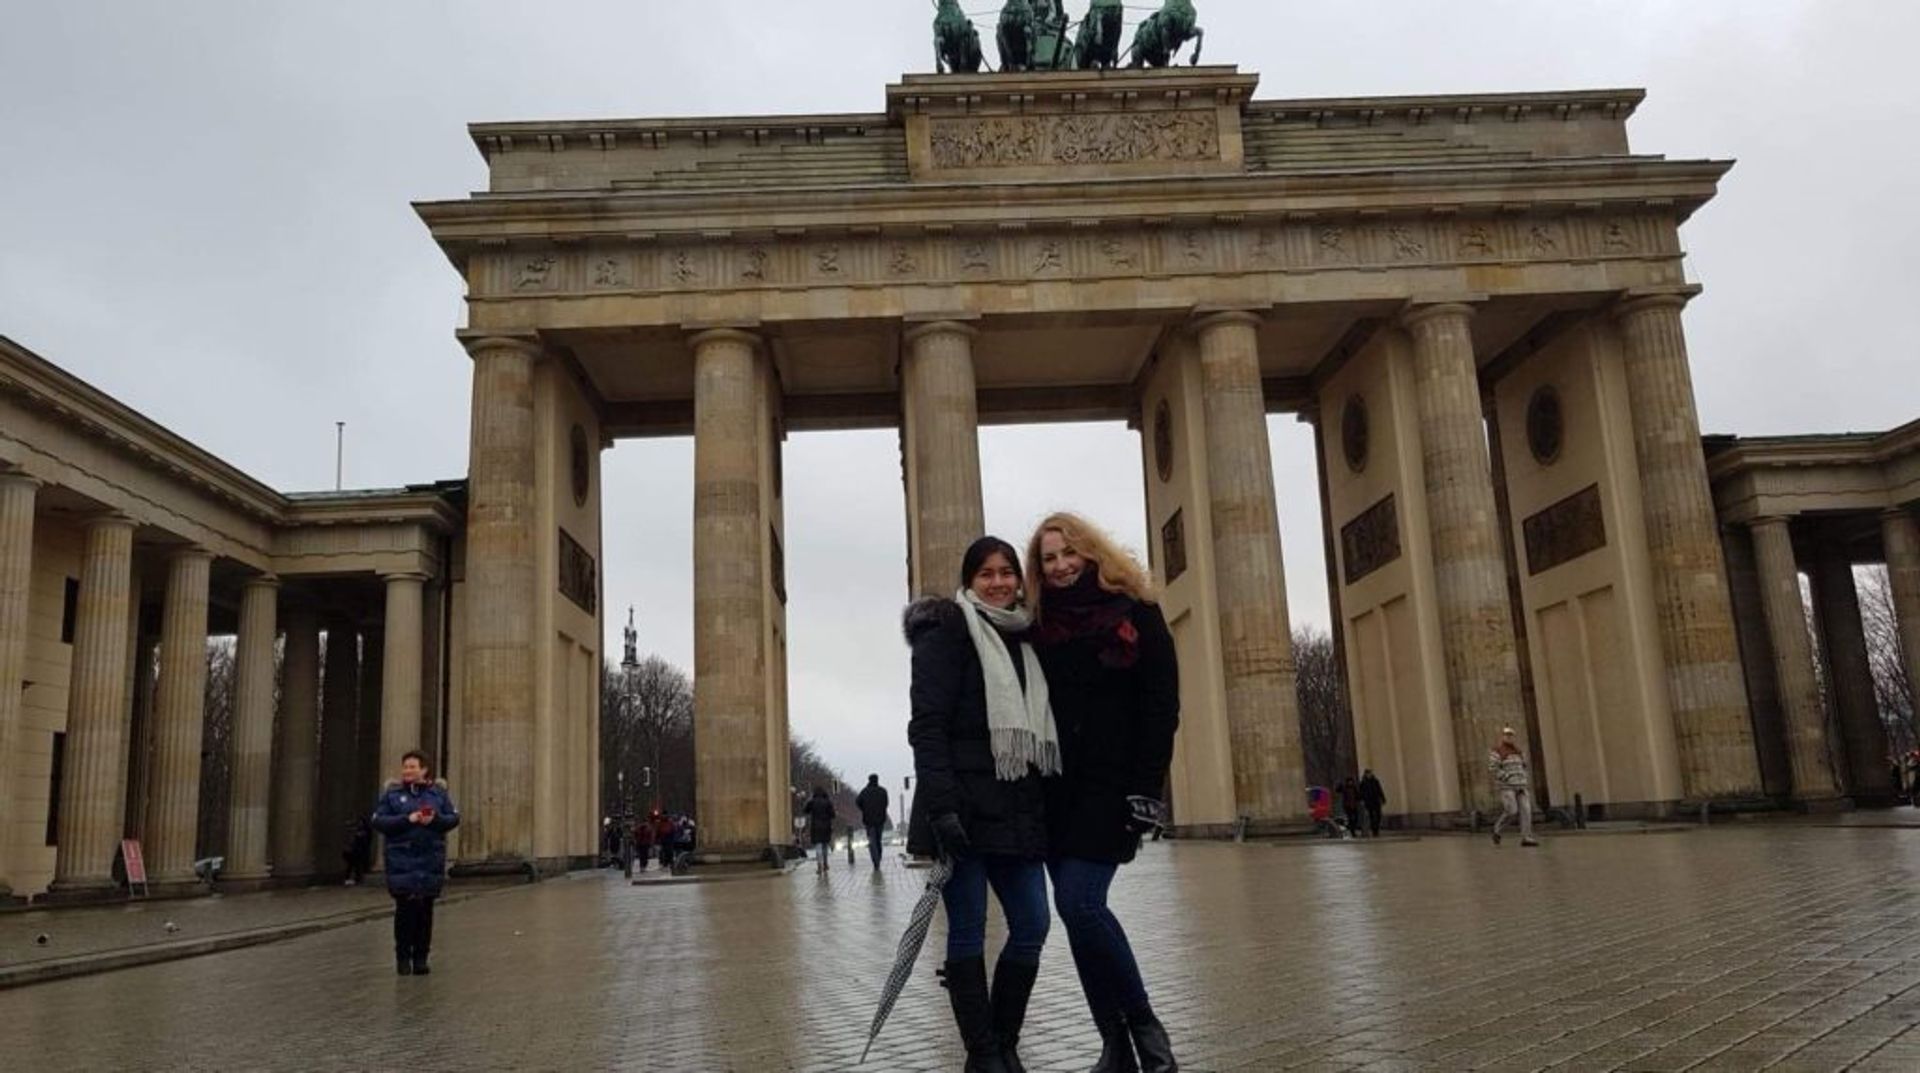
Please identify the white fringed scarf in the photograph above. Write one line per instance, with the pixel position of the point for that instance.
(1021, 721)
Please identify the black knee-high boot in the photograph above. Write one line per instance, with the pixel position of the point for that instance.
(966, 984)
(1150, 1042)
(1012, 987)
(1116, 1046)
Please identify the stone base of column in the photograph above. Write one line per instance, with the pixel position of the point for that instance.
(173, 889)
(1821, 806)
(484, 869)
(252, 884)
(68, 892)
(725, 859)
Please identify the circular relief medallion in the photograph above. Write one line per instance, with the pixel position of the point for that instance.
(1163, 440)
(582, 464)
(1546, 425)
(1353, 433)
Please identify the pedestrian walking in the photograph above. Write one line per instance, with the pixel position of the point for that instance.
(414, 814)
(819, 810)
(872, 804)
(358, 853)
(1350, 804)
(1515, 785)
(1116, 686)
(1374, 797)
(983, 736)
(643, 834)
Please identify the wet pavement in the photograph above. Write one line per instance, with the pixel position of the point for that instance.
(1749, 947)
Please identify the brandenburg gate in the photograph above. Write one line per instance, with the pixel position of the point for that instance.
(1476, 300)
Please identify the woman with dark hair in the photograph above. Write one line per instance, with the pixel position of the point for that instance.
(415, 812)
(1110, 660)
(983, 736)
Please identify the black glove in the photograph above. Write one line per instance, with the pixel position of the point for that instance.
(1144, 814)
(950, 836)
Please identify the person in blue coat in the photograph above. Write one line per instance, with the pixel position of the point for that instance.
(414, 814)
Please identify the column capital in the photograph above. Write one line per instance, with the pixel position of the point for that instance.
(269, 581)
(108, 519)
(1205, 320)
(188, 551)
(1641, 300)
(479, 342)
(9, 475)
(698, 337)
(406, 575)
(1897, 514)
(949, 324)
(1419, 310)
(1767, 521)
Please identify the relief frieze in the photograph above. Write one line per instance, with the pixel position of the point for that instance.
(1042, 254)
(962, 143)
(1565, 531)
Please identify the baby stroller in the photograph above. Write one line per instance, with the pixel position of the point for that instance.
(1320, 807)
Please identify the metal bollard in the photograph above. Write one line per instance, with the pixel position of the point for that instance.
(1579, 812)
(1240, 828)
(1705, 812)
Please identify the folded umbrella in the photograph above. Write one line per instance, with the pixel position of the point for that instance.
(909, 951)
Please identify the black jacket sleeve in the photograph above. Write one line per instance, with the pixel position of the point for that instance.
(1158, 713)
(939, 660)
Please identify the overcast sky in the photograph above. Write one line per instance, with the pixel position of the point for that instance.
(204, 210)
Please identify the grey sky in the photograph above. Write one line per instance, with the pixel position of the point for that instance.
(204, 211)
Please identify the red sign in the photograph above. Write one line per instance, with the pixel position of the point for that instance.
(136, 865)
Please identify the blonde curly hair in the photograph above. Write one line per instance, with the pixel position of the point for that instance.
(1119, 570)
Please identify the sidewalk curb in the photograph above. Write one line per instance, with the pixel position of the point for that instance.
(51, 969)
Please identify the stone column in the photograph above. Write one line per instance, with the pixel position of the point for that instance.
(1837, 603)
(1770, 732)
(296, 753)
(17, 494)
(729, 659)
(1711, 723)
(1250, 589)
(1469, 562)
(496, 734)
(339, 760)
(91, 790)
(400, 673)
(179, 715)
(252, 768)
(942, 415)
(1900, 532)
(1809, 753)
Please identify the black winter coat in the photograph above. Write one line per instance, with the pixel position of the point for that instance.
(872, 804)
(820, 815)
(952, 746)
(1116, 736)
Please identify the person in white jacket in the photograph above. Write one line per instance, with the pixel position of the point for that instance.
(1510, 777)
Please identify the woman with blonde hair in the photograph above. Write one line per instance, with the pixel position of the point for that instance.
(1115, 686)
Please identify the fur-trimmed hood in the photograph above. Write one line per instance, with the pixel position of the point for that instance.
(925, 614)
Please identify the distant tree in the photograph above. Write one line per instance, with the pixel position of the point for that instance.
(1892, 688)
(216, 750)
(1325, 720)
(646, 732)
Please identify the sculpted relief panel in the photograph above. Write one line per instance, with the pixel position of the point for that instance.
(1095, 138)
(1044, 254)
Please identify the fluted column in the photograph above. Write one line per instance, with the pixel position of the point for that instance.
(179, 716)
(252, 767)
(1704, 687)
(1469, 563)
(1250, 591)
(296, 752)
(400, 672)
(92, 795)
(1900, 532)
(339, 759)
(496, 736)
(1837, 603)
(729, 659)
(17, 494)
(1756, 661)
(942, 415)
(1809, 752)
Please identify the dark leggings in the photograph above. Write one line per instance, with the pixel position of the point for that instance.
(412, 925)
(1109, 975)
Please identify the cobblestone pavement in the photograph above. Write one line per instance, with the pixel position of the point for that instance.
(80, 930)
(1738, 948)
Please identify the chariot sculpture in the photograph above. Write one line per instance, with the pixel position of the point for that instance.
(1038, 35)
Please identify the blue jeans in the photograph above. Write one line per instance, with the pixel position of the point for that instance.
(1109, 975)
(873, 841)
(1021, 887)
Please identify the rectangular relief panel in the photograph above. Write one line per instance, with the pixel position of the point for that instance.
(1173, 542)
(1565, 531)
(579, 575)
(1370, 541)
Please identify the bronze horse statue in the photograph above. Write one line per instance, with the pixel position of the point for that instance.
(1098, 45)
(956, 44)
(1164, 32)
(1017, 35)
